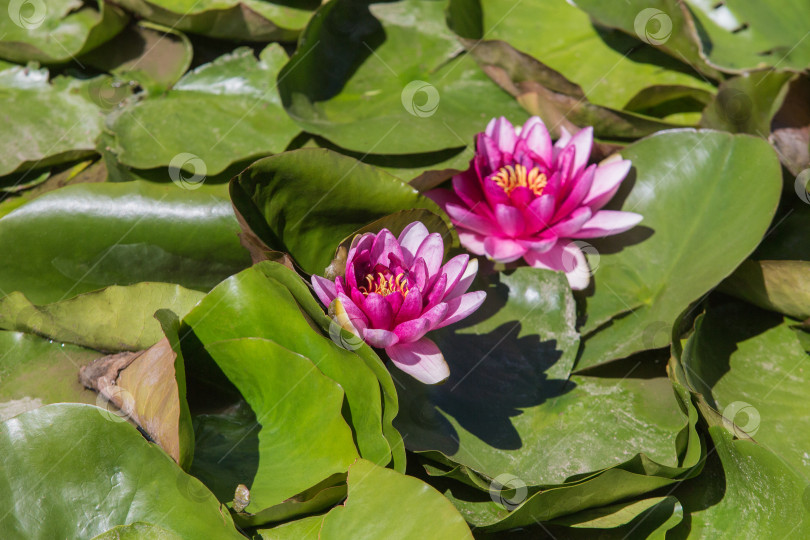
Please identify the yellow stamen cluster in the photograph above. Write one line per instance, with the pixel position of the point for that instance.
(385, 286)
(511, 177)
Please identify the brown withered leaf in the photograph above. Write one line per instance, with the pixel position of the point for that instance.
(790, 129)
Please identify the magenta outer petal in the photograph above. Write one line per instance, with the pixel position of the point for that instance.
(324, 288)
(606, 182)
(503, 249)
(564, 257)
(384, 245)
(378, 311)
(464, 283)
(432, 251)
(540, 244)
(503, 133)
(538, 214)
(538, 139)
(608, 222)
(410, 331)
(467, 187)
(379, 338)
(410, 239)
(510, 220)
(472, 241)
(461, 217)
(353, 311)
(572, 223)
(577, 194)
(436, 293)
(421, 359)
(462, 307)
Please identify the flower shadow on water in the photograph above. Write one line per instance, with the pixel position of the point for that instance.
(493, 376)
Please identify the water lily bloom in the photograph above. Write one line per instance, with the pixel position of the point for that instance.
(396, 290)
(523, 197)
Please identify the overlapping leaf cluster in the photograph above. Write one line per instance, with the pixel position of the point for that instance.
(172, 171)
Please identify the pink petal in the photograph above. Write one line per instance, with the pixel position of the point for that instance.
(461, 307)
(359, 244)
(493, 193)
(421, 359)
(502, 132)
(472, 241)
(432, 250)
(410, 239)
(379, 338)
(537, 137)
(522, 197)
(436, 293)
(503, 249)
(461, 217)
(384, 244)
(538, 214)
(395, 299)
(606, 223)
(563, 257)
(454, 269)
(464, 282)
(418, 276)
(606, 182)
(572, 223)
(467, 187)
(324, 289)
(510, 220)
(583, 142)
(353, 313)
(411, 307)
(414, 329)
(562, 142)
(378, 311)
(577, 194)
(541, 244)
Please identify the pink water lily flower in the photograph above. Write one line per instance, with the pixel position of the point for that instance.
(396, 290)
(524, 197)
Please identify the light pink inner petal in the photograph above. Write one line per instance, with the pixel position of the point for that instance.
(564, 257)
(583, 142)
(379, 338)
(385, 244)
(432, 251)
(503, 133)
(577, 193)
(562, 142)
(464, 282)
(538, 214)
(541, 244)
(411, 307)
(412, 330)
(462, 307)
(538, 139)
(324, 289)
(418, 276)
(572, 223)
(410, 239)
(503, 249)
(421, 359)
(608, 222)
(454, 269)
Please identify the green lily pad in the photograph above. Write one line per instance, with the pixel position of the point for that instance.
(138, 531)
(382, 504)
(608, 65)
(696, 191)
(305, 202)
(217, 114)
(302, 437)
(751, 366)
(88, 236)
(251, 20)
(253, 304)
(748, 103)
(389, 78)
(35, 371)
(105, 475)
(112, 319)
(57, 31)
(33, 136)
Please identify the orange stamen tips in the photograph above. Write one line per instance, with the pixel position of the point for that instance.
(514, 176)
